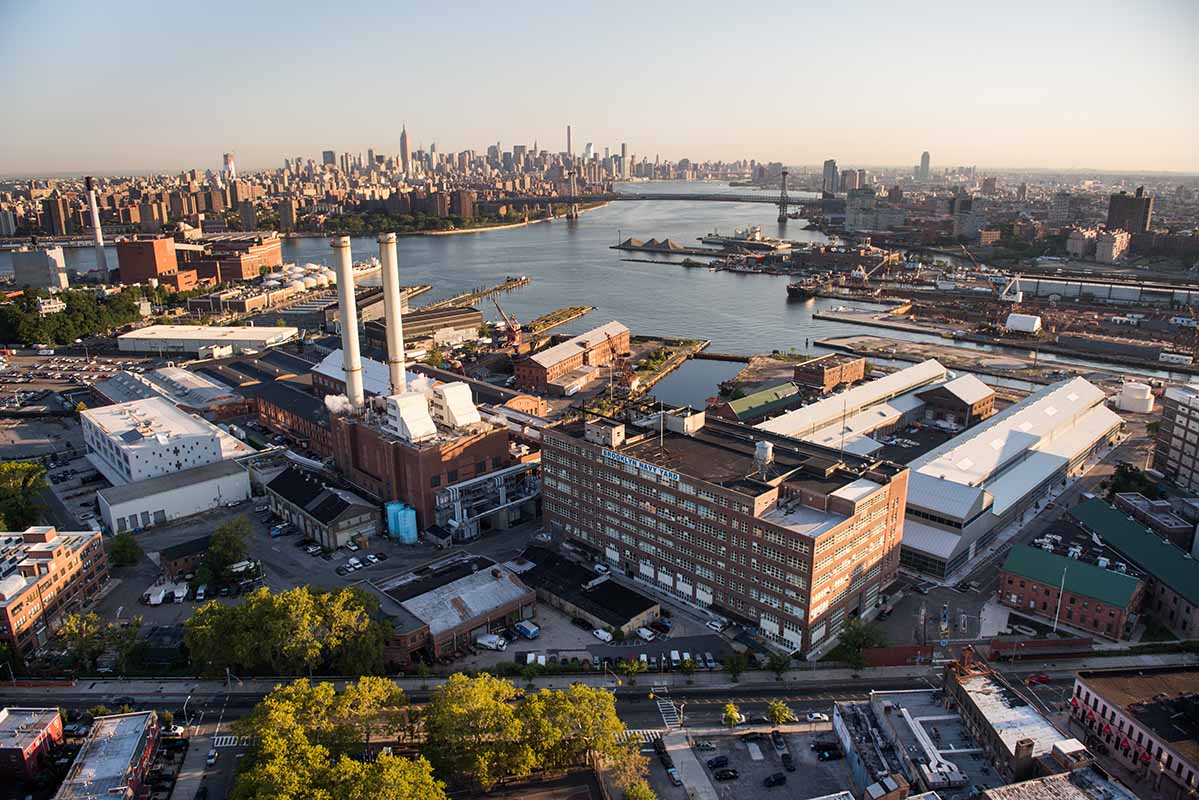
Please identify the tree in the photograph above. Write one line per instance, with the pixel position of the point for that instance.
(779, 712)
(228, 546)
(639, 791)
(474, 730)
(631, 668)
(167, 718)
(735, 664)
(731, 715)
(778, 664)
(856, 637)
(84, 637)
(386, 778)
(20, 483)
(99, 710)
(626, 765)
(123, 550)
(687, 667)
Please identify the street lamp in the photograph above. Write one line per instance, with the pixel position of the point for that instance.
(85, 355)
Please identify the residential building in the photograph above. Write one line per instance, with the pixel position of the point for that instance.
(1111, 245)
(49, 305)
(185, 557)
(829, 182)
(1171, 577)
(555, 367)
(26, 736)
(328, 514)
(1070, 592)
(114, 759)
(1130, 212)
(172, 496)
(1176, 449)
(55, 574)
(1059, 209)
(142, 260)
(729, 517)
(964, 491)
(1081, 242)
(39, 268)
(162, 339)
(142, 439)
(828, 372)
(1147, 719)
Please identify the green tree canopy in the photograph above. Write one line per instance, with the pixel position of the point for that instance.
(779, 712)
(228, 546)
(20, 482)
(123, 550)
(858, 636)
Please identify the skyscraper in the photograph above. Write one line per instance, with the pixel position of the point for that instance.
(405, 153)
(1059, 209)
(924, 165)
(569, 150)
(829, 182)
(624, 160)
(230, 169)
(1130, 212)
(328, 158)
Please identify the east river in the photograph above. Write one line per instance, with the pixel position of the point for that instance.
(570, 263)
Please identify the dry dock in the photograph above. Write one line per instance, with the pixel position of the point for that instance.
(475, 295)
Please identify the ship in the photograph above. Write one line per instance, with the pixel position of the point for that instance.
(749, 238)
(805, 288)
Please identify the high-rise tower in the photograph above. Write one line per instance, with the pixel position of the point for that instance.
(924, 165)
(405, 153)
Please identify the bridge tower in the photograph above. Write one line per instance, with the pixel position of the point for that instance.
(572, 208)
(783, 200)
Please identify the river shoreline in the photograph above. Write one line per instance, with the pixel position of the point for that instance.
(455, 232)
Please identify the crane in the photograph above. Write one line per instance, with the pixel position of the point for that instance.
(512, 330)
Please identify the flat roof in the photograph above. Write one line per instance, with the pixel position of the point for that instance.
(1164, 701)
(14, 550)
(265, 335)
(1010, 715)
(1086, 783)
(607, 600)
(376, 377)
(101, 767)
(116, 495)
(467, 598)
(1079, 577)
(158, 419)
(20, 727)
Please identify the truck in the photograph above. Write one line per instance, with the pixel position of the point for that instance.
(527, 629)
(490, 641)
(180, 592)
(155, 596)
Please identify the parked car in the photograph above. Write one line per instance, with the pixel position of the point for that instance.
(776, 738)
(830, 755)
(602, 569)
(1040, 677)
(788, 762)
(777, 779)
(659, 746)
(211, 758)
(709, 662)
(718, 762)
(381, 556)
(675, 778)
(715, 625)
(818, 746)
(816, 716)
(581, 623)
(726, 775)
(666, 759)
(704, 744)
(603, 636)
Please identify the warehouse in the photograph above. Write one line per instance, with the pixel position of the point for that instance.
(595, 348)
(443, 325)
(330, 515)
(961, 494)
(173, 496)
(191, 339)
(192, 392)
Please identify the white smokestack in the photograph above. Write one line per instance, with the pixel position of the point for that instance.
(351, 359)
(101, 259)
(392, 300)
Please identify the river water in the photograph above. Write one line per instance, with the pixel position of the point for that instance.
(571, 263)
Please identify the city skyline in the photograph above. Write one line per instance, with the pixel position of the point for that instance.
(1069, 93)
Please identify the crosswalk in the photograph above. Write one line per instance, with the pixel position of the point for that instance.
(643, 735)
(670, 714)
(230, 741)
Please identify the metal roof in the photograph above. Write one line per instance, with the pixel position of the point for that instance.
(584, 341)
(1104, 585)
(115, 495)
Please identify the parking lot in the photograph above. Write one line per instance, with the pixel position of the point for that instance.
(754, 757)
(64, 370)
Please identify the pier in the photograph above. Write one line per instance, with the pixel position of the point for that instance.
(474, 296)
(555, 318)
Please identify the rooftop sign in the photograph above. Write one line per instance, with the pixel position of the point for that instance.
(669, 475)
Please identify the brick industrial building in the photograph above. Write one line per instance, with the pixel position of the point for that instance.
(1072, 592)
(826, 373)
(596, 348)
(56, 574)
(26, 734)
(790, 537)
(143, 259)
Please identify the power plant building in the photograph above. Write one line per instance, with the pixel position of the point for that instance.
(39, 268)
(788, 537)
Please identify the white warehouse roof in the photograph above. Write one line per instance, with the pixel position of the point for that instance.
(192, 337)
(584, 341)
(803, 421)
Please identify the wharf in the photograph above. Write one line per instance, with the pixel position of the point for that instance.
(667, 247)
(555, 318)
(967, 360)
(472, 297)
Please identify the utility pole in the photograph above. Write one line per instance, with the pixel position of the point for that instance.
(1061, 591)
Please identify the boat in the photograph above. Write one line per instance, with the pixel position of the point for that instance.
(804, 289)
(750, 238)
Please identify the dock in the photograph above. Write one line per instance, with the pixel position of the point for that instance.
(415, 290)
(555, 318)
(475, 295)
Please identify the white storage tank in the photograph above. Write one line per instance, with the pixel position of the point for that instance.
(1023, 323)
(1136, 398)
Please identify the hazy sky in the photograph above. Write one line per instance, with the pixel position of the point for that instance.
(130, 85)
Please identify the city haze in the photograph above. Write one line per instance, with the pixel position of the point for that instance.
(155, 87)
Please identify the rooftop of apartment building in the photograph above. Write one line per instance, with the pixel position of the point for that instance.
(1087, 782)
(1160, 511)
(1164, 701)
(101, 765)
(20, 727)
(1011, 716)
(33, 545)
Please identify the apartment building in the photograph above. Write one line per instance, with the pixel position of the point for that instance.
(787, 536)
(47, 575)
(1177, 447)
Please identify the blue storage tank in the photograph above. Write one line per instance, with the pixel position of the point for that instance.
(401, 522)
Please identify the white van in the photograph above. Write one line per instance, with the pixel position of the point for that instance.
(491, 641)
(603, 636)
(646, 634)
(674, 659)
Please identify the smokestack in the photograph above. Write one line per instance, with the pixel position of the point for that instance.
(392, 301)
(101, 259)
(351, 360)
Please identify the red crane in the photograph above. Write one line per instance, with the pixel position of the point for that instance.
(512, 332)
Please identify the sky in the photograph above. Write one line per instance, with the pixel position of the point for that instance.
(138, 86)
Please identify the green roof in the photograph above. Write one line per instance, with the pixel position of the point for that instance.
(1089, 580)
(1155, 556)
(759, 401)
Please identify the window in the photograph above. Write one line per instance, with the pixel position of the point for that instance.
(451, 476)
(435, 481)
